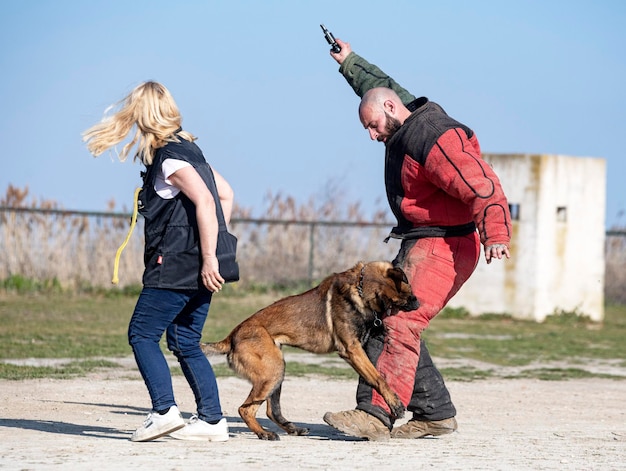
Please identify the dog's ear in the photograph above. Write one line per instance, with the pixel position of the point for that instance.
(397, 274)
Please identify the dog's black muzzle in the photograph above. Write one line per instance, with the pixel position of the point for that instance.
(412, 304)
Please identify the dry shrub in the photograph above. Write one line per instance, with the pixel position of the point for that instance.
(291, 243)
(43, 243)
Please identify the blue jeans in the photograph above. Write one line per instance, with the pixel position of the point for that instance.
(182, 314)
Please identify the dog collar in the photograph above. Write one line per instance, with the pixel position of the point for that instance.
(359, 287)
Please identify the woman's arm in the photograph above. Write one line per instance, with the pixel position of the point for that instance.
(227, 195)
(189, 181)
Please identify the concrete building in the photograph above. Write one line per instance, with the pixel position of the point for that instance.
(557, 261)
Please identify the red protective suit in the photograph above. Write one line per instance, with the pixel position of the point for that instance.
(440, 191)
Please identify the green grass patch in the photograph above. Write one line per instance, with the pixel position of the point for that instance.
(292, 368)
(559, 374)
(508, 342)
(465, 374)
(83, 326)
(69, 370)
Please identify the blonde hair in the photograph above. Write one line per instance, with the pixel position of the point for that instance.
(151, 109)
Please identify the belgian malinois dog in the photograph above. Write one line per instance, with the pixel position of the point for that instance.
(335, 316)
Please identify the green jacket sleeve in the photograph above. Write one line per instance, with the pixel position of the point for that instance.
(363, 76)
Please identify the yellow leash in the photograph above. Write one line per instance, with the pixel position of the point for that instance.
(133, 221)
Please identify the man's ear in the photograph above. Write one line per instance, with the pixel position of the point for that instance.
(389, 106)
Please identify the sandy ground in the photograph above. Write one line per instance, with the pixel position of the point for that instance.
(503, 425)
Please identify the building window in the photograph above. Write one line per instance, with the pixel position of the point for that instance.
(514, 210)
(561, 214)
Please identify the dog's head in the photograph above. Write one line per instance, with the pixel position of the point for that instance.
(384, 287)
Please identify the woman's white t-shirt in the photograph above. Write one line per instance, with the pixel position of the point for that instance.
(163, 186)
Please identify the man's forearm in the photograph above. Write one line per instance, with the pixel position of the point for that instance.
(363, 76)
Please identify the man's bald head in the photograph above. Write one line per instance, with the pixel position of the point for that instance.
(376, 97)
(382, 113)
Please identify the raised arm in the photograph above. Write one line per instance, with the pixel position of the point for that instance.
(363, 76)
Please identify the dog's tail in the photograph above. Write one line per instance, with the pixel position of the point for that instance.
(211, 348)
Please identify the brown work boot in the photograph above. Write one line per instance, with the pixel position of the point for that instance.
(417, 428)
(358, 423)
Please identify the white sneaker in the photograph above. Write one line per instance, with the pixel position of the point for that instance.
(157, 425)
(200, 430)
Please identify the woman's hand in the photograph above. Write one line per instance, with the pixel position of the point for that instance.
(210, 274)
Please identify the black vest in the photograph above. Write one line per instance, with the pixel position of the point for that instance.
(172, 251)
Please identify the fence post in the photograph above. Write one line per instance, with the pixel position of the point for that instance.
(311, 249)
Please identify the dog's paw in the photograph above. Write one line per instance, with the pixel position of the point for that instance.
(397, 409)
(271, 436)
(299, 431)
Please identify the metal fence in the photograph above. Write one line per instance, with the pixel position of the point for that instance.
(78, 248)
(615, 263)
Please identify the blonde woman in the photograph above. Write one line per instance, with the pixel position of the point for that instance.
(181, 268)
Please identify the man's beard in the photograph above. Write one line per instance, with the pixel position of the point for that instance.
(391, 126)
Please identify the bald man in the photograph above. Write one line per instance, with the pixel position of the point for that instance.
(447, 201)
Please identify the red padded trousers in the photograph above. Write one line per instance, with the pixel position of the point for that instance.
(436, 269)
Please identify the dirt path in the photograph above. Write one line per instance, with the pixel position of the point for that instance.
(503, 424)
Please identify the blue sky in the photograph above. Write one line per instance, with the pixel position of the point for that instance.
(254, 81)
